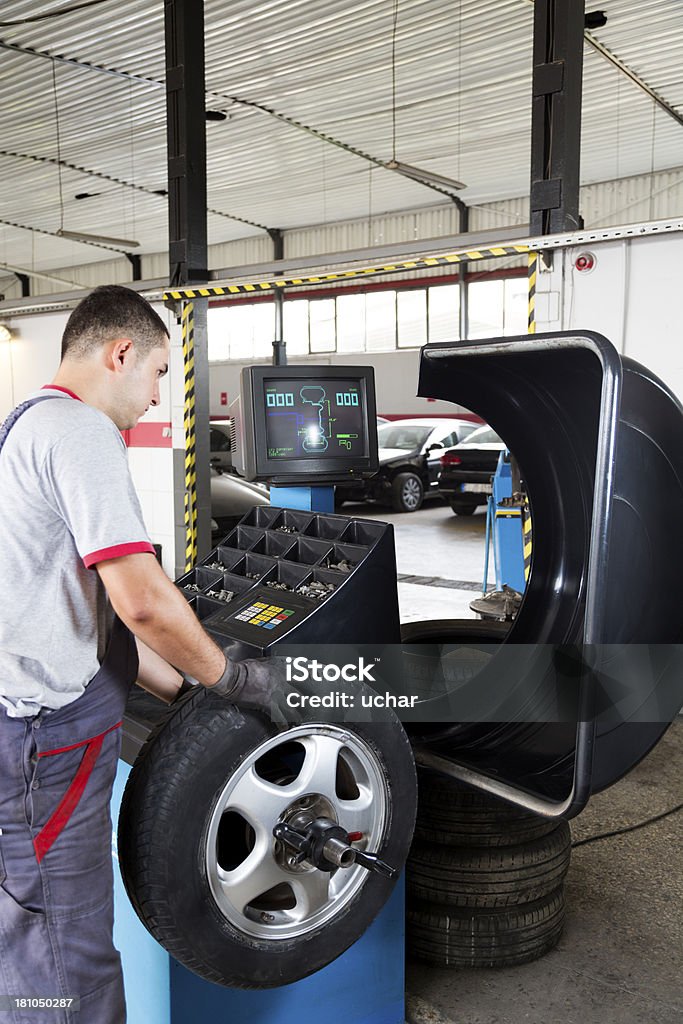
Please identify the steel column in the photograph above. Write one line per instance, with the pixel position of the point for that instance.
(186, 138)
(188, 253)
(464, 314)
(279, 346)
(556, 116)
(25, 282)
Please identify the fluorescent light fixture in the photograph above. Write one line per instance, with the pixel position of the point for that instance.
(424, 177)
(84, 236)
(43, 277)
(5, 333)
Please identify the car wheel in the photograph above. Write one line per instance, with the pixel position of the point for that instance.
(197, 852)
(462, 508)
(407, 492)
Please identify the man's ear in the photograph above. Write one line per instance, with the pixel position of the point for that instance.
(120, 354)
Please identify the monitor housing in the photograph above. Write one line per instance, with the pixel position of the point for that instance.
(305, 424)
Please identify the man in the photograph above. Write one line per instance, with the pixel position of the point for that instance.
(71, 536)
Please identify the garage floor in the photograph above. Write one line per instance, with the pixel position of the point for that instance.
(440, 559)
(621, 956)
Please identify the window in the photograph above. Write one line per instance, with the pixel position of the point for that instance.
(351, 323)
(217, 327)
(380, 321)
(321, 314)
(218, 441)
(516, 309)
(411, 317)
(486, 308)
(295, 326)
(444, 312)
(365, 322)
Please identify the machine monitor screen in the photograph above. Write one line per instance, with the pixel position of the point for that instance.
(307, 419)
(305, 424)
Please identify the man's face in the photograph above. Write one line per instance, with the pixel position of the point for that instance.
(140, 387)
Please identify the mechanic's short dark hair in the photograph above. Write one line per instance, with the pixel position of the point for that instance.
(112, 311)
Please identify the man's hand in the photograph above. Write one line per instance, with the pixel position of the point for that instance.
(262, 684)
(259, 683)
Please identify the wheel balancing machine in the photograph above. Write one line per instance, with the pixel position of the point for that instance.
(289, 574)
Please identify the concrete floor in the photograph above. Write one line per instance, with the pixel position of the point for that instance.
(620, 959)
(436, 545)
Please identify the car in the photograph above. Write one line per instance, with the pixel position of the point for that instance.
(231, 498)
(409, 453)
(220, 449)
(467, 468)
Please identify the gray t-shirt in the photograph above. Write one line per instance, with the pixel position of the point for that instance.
(68, 502)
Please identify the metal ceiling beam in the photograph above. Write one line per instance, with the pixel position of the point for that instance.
(556, 116)
(24, 275)
(635, 78)
(154, 289)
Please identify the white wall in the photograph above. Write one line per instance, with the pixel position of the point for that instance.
(633, 296)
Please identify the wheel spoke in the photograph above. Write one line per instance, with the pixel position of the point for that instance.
(312, 891)
(319, 769)
(257, 800)
(254, 876)
(357, 815)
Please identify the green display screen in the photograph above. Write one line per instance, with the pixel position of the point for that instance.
(314, 418)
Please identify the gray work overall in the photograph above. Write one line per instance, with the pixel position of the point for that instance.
(56, 877)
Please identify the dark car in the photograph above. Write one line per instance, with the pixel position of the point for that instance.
(220, 451)
(466, 470)
(409, 453)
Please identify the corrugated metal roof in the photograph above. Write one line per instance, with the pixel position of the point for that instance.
(463, 74)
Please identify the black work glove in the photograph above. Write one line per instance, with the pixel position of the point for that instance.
(261, 684)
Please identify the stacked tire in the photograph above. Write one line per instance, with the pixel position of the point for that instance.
(485, 879)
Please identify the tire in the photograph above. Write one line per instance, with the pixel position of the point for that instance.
(453, 814)
(407, 492)
(463, 509)
(181, 835)
(451, 631)
(502, 876)
(494, 938)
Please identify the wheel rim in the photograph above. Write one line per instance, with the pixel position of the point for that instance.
(411, 493)
(314, 770)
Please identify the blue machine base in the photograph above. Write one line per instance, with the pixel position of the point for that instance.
(363, 986)
(308, 499)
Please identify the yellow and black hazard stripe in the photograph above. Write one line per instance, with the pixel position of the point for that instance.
(419, 263)
(189, 422)
(527, 541)
(533, 270)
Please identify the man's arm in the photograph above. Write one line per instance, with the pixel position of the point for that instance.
(156, 612)
(155, 675)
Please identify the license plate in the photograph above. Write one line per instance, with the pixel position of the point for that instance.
(478, 488)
